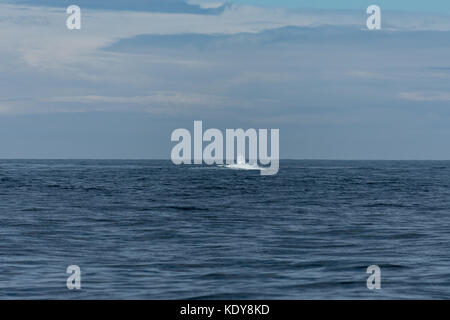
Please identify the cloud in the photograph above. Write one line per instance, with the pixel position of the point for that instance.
(157, 102)
(426, 96)
(168, 6)
(5, 108)
(207, 4)
(160, 102)
(246, 58)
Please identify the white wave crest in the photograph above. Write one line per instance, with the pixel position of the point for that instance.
(241, 164)
(245, 166)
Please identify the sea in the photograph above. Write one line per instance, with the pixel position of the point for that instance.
(149, 229)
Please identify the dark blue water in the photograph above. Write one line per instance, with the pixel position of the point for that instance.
(152, 230)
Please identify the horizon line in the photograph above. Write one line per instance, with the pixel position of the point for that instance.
(161, 159)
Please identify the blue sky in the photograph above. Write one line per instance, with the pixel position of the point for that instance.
(437, 6)
(139, 69)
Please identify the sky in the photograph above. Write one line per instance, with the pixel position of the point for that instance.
(436, 6)
(137, 70)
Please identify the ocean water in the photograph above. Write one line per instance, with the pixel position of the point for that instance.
(152, 230)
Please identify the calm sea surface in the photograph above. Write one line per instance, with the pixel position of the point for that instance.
(152, 230)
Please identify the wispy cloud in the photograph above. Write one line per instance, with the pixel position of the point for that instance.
(426, 96)
(169, 6)
(158, 102)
